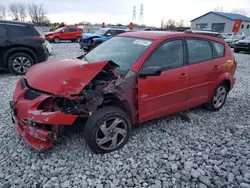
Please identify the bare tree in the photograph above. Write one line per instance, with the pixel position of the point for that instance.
(13, 9)
(2, 12)
(240, 11)
(170, 24)
(37, 13)
(180, 23)
(22, 11)
(17, 11)
(218, 9)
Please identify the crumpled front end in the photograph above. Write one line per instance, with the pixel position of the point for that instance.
(37, 125)
(39, 110)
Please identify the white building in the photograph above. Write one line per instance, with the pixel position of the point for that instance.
(221, 22)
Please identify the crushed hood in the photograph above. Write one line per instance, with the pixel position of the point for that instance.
(65, 77)
(88, 35)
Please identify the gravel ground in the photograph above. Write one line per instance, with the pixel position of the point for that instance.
(195, 148)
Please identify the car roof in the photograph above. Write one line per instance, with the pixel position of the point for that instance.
(13, 22)
(154, 35)
(113, 28)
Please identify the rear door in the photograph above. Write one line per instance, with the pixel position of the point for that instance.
(3, 42)
(161, 95)
(202, 68)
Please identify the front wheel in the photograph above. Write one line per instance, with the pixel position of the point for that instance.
(108, 129)
(78, 39)
(56, 40)
(219, 98)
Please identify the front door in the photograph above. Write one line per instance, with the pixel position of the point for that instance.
(65, 34)
(161, 95)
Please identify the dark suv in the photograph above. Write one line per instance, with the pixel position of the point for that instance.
(21, 46)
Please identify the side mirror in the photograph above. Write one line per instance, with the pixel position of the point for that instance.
(150, 71)
(108, 34)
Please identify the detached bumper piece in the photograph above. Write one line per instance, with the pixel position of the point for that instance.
(38, 138)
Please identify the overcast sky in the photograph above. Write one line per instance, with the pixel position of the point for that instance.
(121, 11)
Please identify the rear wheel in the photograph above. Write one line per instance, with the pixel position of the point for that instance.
(108, 129)
(219, 98)
(19, 63)
(56, 40)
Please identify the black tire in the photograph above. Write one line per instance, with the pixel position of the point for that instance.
(236, 50)
(78, 39)
(73, 40)
(91, 128)
(56, 40)
(23, 59)
(211, 106)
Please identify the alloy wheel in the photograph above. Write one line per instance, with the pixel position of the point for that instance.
(21, 64)
(219, 96)
(111, 133)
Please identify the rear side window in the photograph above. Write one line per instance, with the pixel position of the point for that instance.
(2, 31)
(72, 30)
(219, 49)
(119, 32)
(21, 31)
(199, 51)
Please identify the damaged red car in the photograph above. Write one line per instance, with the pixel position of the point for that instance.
(129, 79)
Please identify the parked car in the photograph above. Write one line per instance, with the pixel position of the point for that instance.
(21, 46)
(242, 45)
(64, 33)
(231, 40)
(91, 40)
(226, 35)
(129, 79)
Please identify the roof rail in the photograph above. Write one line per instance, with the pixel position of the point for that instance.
(209, 33)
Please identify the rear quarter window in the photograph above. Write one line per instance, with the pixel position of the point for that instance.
(22, 31)
(219, 49)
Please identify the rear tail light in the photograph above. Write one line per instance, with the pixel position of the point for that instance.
(39, 38)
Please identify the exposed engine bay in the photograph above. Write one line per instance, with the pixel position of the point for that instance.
(92, 96)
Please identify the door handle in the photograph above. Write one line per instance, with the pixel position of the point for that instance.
(8, 42)
(216, 67)
(183, 75)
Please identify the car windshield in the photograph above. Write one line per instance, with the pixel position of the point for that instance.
(59, 29)
(100, 32)
(124, 51)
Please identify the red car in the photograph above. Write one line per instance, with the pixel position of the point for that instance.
(64, 33)
(129, 79)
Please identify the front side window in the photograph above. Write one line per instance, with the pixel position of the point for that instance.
(199, 51)
(169, 55)
(124, 51)
(66, 30)
(2, 31)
